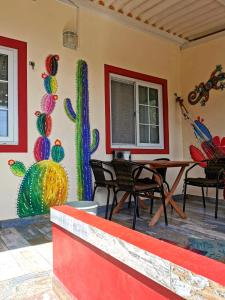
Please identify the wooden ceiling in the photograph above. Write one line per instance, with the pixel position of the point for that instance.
(182, 21)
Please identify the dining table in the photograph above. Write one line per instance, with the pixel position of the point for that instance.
(159, 164)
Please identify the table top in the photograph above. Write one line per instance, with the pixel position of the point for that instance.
(164, 163)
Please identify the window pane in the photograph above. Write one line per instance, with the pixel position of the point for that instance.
(144, 133)
(143, 94)
(3, 123)
(153, 97)
(3, 67)
(3, 94)
(143, 114)
(154, 115)
(154, 134)
(123, 108)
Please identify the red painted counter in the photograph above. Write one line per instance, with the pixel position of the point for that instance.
(98, 259)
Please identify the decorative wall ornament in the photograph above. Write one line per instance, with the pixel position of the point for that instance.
(45, 183)
(201, 92)
(84, 147)
(213, 147)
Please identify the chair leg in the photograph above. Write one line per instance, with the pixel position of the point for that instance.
(129, 203)
(203, 197)
(135, 211)
(217, 199)
(107, 204)
(138, 215)
(93, 195)
(164, 206)
(167, 185)
(185, 196)
(112, 207)
(152, 202)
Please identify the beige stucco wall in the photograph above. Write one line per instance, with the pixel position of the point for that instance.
(197, 64)
(101, 41)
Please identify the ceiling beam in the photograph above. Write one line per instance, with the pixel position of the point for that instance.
(128, 21)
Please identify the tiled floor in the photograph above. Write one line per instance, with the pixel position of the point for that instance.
(25, 232)
(26, 271)
(200, 232)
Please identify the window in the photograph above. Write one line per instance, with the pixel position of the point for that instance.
(13, 95)
(136, 112)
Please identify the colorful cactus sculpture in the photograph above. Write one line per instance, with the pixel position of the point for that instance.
(45, 183)
(84, 148)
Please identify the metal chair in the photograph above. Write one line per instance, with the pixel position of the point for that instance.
(214, 178)
(162, 172)
(101, 181)
(126, 172)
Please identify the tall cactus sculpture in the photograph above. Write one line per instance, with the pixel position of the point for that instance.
(45, 183)
(84, 147)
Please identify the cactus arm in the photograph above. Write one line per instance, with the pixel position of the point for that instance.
(69, 110)
(17, 168)
(95, 141)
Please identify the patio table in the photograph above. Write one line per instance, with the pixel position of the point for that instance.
(158, 164)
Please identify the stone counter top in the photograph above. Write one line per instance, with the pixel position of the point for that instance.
(187, 274)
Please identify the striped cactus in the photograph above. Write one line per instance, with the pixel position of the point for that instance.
(84, 147)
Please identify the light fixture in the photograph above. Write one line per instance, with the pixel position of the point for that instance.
(70, 39)
(70, 34)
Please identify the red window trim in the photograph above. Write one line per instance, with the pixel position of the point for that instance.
(22, 94)
(114, 70)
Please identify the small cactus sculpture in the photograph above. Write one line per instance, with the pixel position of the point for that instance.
(45, 183)
(84, 147)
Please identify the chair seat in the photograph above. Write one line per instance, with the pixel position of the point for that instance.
(141, 187)
(204, 182)
(110, 183)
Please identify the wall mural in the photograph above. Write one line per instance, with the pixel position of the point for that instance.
(84, 147)
(201, 92)
(45, 183)
(209, 147)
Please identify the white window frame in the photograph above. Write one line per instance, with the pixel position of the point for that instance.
(137, 83)
(12, 138)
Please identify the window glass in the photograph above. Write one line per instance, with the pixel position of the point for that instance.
(3, 95)
(153, 97)
(122, 107)
(8, 96)
(143, 129)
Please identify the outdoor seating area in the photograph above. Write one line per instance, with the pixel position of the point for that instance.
(112, 149)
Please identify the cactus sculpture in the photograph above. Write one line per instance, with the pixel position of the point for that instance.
(45, 183)
(84, 147)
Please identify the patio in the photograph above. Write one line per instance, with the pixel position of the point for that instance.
(200, 232)
(84, 80)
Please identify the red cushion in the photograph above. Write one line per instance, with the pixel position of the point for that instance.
(197, 155)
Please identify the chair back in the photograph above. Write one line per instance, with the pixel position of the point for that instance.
(213, 167)
(162, 171)
(98, 171)
(124, 174)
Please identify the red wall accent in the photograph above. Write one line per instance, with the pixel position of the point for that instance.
(110, 69)
(189, 260)
(22, 94)
(89, 273)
